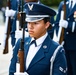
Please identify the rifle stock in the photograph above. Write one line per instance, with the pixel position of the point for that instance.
(8, 29)
(21, 56)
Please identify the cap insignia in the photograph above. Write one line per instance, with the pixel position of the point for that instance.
(30, 7)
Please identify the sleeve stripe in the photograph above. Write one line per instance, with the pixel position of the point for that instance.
(53, 58)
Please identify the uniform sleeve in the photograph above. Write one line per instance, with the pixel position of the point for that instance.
(14, 4)
(60, 64)
(12, 67)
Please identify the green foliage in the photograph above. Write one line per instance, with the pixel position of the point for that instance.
(51, 2)
(3, 3)
(46, 2)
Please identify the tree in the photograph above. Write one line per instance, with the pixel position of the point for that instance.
(51, 2)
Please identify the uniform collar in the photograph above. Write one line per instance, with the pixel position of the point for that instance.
(40, 40)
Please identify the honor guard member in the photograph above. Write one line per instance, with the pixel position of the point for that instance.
(14, 10)
(17, 34)
(69, 34)
(42, 56)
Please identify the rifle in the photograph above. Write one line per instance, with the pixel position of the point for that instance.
(62, 29)
(60, 36)
(8, 29)
(21, 50)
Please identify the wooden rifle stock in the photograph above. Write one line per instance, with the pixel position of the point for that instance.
(62, 32)
(7, 31)
(21, 56)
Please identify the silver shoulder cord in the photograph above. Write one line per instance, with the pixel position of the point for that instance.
(53, 57)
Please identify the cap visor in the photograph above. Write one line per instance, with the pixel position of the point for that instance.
(33, 19)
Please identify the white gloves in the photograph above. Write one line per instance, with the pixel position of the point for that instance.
(10, 12)
(18, 34)
(63, 23)
(25, 73)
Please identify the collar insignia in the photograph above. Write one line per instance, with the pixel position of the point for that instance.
(27, 43)
(44, 46)
(30, 7)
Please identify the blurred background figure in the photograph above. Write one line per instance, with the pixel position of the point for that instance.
(3, 12)
(69, 25)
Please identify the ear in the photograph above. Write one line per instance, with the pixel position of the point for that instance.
(47, 25)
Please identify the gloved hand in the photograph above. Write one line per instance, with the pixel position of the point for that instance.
(63, 23)
(18, 34)
(10, 12)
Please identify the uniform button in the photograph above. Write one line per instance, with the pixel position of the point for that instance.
(67, 32)
(68, 19)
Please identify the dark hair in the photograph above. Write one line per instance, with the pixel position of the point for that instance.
(46, 19)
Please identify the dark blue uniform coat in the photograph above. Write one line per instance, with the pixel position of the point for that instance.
(40, 65)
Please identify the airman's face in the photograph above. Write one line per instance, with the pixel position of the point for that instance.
(37, 29)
